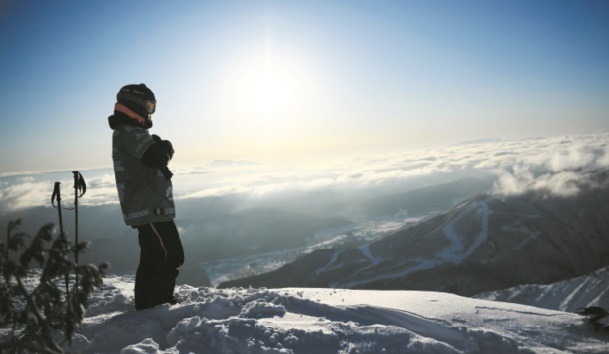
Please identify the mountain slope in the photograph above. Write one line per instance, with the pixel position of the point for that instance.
(568, 295)
(486, 243)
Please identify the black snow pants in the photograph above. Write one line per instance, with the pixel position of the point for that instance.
(161, 254)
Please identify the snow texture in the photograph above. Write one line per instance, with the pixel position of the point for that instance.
(292, 320)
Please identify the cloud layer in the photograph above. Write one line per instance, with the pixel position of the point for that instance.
(555, 165)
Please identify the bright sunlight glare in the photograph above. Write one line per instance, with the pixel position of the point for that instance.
(269, 93)
(273, 94)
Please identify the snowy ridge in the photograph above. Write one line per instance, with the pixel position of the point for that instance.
(569, 295)
(306, 320)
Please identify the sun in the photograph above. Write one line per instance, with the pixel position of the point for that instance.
(269, 92)
(273, 93)
(269, 101)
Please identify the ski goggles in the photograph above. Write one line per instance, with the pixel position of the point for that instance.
(149, 105)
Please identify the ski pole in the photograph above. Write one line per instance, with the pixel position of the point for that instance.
(79, 186)
(56, 196)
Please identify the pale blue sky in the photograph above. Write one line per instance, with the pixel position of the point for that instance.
(286, 79)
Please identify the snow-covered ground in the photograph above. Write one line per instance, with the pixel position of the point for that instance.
(209, 320)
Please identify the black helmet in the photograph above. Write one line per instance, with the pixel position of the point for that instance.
(138, 98)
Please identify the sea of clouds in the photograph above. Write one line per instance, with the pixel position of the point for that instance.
(556, 165)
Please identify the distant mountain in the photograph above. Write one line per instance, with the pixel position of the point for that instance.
(434, 198)
(485, 243)
(231, 163)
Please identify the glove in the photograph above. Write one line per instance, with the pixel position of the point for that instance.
(166, 144)
(166, 172)
(168, 147)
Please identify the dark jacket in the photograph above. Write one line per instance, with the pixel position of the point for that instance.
(140, 168)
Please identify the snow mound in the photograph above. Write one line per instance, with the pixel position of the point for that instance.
(292, 320)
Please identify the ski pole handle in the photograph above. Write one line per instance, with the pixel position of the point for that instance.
(56, 196)
(79, 184)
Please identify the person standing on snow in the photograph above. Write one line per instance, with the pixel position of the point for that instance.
(145, 192)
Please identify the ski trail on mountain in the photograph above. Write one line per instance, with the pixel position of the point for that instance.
(365, 249)
(330, 263)
(455, 253)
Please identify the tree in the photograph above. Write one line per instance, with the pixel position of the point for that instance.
(35, 312)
